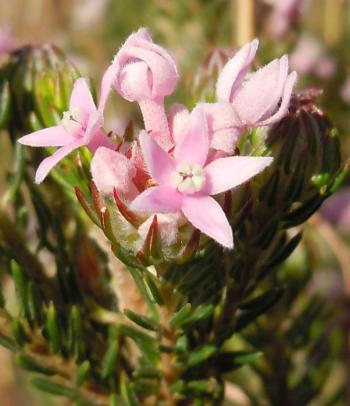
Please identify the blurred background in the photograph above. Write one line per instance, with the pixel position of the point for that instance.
(201, 35)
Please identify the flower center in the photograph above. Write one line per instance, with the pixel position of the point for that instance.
(188, 178)
(72, 120)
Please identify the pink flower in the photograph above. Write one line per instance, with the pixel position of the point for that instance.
(146, 73)
(261, 100)
(186, 182)
(80, 126)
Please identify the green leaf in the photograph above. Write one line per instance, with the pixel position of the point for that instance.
(142, 321)
(154, 290)
(201, 354)
(126, 392)
(8, 343)
(53, 388)
(76, 343)
(5, 104)
(83, 372)
(21, 287)
(228, 361)
(263, 301)
(53, 329)
(110, 359)
(181, 315)
(200, 313)
(34, 303)
(257, 307)
(19, 333)
(147, 372)
(145, 293)
(30, 364)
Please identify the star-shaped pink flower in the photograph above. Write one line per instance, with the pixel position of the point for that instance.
(80, 126)
(186, 182)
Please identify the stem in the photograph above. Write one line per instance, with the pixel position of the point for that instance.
(168, 337)
(156, 122)
(242, 12)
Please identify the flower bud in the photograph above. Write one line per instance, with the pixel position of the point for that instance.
(145, 71)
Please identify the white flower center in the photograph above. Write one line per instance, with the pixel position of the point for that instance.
(188, 178)
(72, 120)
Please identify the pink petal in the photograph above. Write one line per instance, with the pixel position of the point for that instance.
(158, 199)
(48, 137)
(234, 71)
(193, 145)
(224, 125)
(111, 169)
(276, 95)
(48, 163)
(143, 40)
(156, 122)
(207, 215)
(262, 92)
(159, 163)
(134, 82)
(283, 109)
(99, 139)
(81, 97)
(95, 122)
(164, 77)
(178, 116)
(106, 86)
(226, 173)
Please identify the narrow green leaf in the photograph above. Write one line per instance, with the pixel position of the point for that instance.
(145, 293)
(268, 298)
(142, 321)
(201, 354)
(200, 313)
(110, 359)
(126, 392)
(262, 304)
(83, 372)
(53, 329)
(34, 303)
(19, 333)
(154, 290)
(228, 361)
(30, 364)
(181, 315)
(147, 372)
(53, 388)
(21, 287)
(8, 343)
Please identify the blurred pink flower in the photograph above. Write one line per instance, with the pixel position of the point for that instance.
(185, 181)
(345, 90)
(80, 126)
(309, 56)
(337, 209)
(146, 73)
(7, 41)
(284, 13)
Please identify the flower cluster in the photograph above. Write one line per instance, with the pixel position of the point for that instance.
(181, 158)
